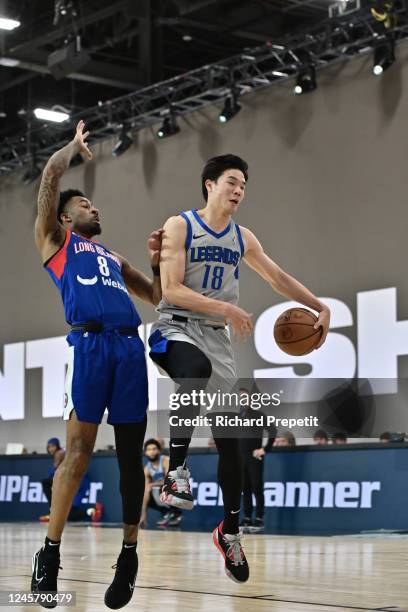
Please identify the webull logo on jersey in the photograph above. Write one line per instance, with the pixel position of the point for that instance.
(214, 253)
(315, 494)
(17, 488)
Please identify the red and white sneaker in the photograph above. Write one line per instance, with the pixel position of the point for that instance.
(176, 489)
(236, 565)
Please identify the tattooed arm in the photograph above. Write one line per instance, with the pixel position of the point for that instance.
(49, 233)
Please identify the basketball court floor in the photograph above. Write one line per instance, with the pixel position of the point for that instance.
(183, 571)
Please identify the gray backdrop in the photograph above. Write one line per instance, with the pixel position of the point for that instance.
(326, 197)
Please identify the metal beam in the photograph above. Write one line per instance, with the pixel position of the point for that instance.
(53, 34)
(250, 71)
(94, 72)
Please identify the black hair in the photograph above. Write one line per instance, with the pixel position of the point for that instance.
(386, 436)
(65, 196)
(340, 436)
(217, 165)
(320, 433)
(151, 441)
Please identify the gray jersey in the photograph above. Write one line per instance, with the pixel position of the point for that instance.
(212, 261)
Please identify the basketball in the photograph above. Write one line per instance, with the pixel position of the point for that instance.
(294, 331)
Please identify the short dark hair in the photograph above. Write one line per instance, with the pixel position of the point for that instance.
(339, 435)
(65, 196)
(320, 433)
(217, 165)
(151, 441)
(386, 435)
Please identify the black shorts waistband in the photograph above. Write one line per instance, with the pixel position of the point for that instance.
(95, 327)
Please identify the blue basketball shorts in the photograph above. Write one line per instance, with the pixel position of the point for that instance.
(107, 370)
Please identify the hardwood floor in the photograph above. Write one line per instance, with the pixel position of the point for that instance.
(183, 571)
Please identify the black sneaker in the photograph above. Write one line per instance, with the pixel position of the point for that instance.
(176, 489)
(175, 519)
(45, 568)
(246, 524)
(257, 527)
(236, 565)
(120, 592)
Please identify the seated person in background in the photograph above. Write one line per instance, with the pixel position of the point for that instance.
(252, 453)
(339, 438)
(321, 437)
(385, 437)
(57, 453)
(77, 512)
(155, 469)
(285, 439)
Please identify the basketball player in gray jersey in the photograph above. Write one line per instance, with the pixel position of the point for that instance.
(201, 253)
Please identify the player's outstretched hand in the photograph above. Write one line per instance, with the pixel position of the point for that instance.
(80, 140)
(324, 322)
(240, 321)
(154, 244)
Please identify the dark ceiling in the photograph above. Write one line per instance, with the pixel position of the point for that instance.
(131, 44)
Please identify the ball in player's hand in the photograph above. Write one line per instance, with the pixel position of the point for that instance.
(294, 331)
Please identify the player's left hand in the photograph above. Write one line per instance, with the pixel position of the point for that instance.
(154, 244)
(324, 322)
(258, 453)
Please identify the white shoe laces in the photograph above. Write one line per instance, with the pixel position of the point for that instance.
(181, 477)
(234, 551)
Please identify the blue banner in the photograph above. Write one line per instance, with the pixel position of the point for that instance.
(307, 491)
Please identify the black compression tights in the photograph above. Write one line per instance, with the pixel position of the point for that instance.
(129, 450)
(188, 366)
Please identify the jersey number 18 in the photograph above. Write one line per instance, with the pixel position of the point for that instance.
(217, 275)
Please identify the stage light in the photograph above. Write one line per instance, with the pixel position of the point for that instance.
(51, 115)
(169, 127)
(124, 143)
(384, 57)
(8, 24)
(305, 81)
(231, 108)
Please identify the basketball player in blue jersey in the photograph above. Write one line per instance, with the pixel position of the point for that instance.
(201, 253)
(107, 367)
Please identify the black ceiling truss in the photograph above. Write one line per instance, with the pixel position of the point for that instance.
(254, 69)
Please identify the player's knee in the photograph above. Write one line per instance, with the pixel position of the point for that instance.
(76, 463)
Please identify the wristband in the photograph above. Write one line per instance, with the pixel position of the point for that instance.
(156, 270)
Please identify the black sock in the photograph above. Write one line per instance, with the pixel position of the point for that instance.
(178, 452)
(128, 549)
(231, 522)
(52, 546)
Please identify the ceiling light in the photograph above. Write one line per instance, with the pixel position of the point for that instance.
(231, 108)
(169, 127)
(50, 115)
(384, 57)
(124, 143)
(305, 81)
(8, 24)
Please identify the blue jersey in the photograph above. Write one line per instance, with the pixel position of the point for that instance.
(92, 287)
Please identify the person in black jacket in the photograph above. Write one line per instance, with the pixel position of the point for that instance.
(253, 465)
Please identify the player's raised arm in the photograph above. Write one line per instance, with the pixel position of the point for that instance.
(138, 283)
(48, 230)
(283, 283)
(172, 268)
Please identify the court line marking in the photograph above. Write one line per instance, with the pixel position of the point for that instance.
(255, 597)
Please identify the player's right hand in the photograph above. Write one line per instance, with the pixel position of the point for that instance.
(80, 140)
(240, 321)
(143, 521)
